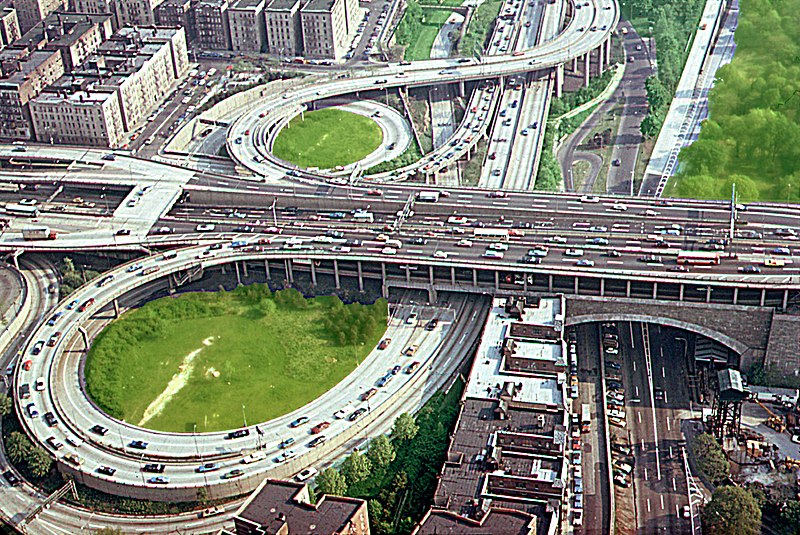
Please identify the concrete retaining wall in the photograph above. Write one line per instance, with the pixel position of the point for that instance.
(21, 309)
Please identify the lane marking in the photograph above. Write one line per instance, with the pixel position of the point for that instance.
(645, 473)
(648, 505)
(662, 500)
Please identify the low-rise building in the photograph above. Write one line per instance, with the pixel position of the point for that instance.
(284, 31)
(283, 507)
(211, 25)
(247, 26)
(9, 25)
(328, 26)
(23, 75)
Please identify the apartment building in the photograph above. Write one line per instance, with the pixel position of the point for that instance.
(211, 25)
(31, 12)
(94, 7)
(284, 31)
(75, 35)
(23, 75)
(328, 26)
(136, 12)
(128, 76)
(283, 507)
(506, 469)
(9, 25)
(177, 13)
(82, 116)
(247, 26)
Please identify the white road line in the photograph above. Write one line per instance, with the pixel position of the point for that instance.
(662, 500)
(618, 262)
(674, 489)
(634, 367)
(666, 401)
(648, 505)
(677, 511)
(645, 474)
(643, 449)
(669, 428)
(663, 373)
(639, 415)
(636, 390)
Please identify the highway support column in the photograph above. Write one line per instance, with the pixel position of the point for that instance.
(627, 288)
(680, 292)
(602, 287)
(708, 294)
(550, 283)
(244, 268)
(575, 65)
(736, 297)
(336, 273)
(84, 337)
(313, 274)
(115, 302)
(360, 277)
(238, 276)
(608, 50)
(575, 288)
(461, 88)
(655, 290)
(785, 299)
(474, 277)
(559, 75)
(452, 275)
(430, 275)
(289, 273)
(266, 268)
(600, 59)
(496, 281)
(586, 64)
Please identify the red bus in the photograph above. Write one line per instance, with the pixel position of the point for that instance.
(699, 258)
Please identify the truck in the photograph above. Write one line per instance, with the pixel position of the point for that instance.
(428, 196)
(585, 418)
(38, 233)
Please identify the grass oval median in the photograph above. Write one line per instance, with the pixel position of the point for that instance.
(327, 138)
(205, 361)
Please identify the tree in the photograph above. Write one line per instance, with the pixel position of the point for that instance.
(39, 462)
(709, 457)
(731, 511)
(330, 481)
(790, 515)
(6, 404)
(355, 468)
(202, 495)
(405, 427)
(381, 452)
(17, 447)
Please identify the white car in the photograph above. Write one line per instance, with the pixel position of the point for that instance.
(340, 414)
(464, 243)
(619, 207)
(493, 254)
(389, 251)
(498, 246)
(440, 254)
(590, 198)
(573, 252)
(650, 213)
(205, 227)
(308, 473)
(556, 239)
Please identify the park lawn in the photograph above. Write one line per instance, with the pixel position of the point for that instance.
(271, 364)
(327, 138)
(422, 45)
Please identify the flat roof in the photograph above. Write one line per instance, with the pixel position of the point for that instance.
(488, 377)
(247, 4)
(551, 352)
(323, 6)
(548, 311)
(75, 98)
(496, 521)
(282, 5)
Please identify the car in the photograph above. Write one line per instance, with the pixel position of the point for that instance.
(211, 511)
(584, 263)
(53, 443)
(86, 304)
(590, 199)
(384, 343)
(12, 478)
(308, 473)
(576, 458)
(597, 241)
(411, 350)
(619, 207)
(411, 319)
(155, 468)
(622, 481)
(138, 445)
(497, 194)
(613, 253)
(556, 239)
(781, 251)
(300, 421)
(357, 414)
(236, 472)
(368, 394)
(53, 319)
(50, 419)
(464, 243)
(317, 441)
(32, 411)
(39, 384)
(687, 511)
(573, 252)
(320, 427)
(538, 251)
(99, 430)
(158, 480)
(207, 467)
(106, 470)
(239, 433)
(432, 324)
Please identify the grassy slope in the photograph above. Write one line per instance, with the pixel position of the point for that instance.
(271, 364)
(421, 47)
(327, 138)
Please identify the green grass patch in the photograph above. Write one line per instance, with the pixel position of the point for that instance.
(420, 47)
(327, 138)
(250, 347)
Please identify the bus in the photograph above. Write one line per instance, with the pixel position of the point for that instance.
(363, 217)
(586, 418)
(22, 210)
(492, 233)
(428, 196)
(699, 258)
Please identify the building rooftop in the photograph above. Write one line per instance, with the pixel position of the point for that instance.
(61, 29)
(27, 64)
(76, 98)
(496, 521)
(282, 4)
(275, 504)
(552, 352)
(322, 6)
(247, 4)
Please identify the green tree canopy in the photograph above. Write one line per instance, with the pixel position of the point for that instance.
(330, 481)
(731, 511)
(355, 468)
(381, 452)
(709, 457)
(405, 427)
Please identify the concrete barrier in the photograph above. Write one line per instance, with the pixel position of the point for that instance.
(22, 307)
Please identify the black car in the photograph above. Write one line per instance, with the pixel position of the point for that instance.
(99, 430)
(154, 468)
(317, 441)
(357, 414)
(418, 241)
(530, 260)
(12, 479)
(614, 384)
(106, 470)
(138, 444)
(50, 419)
(432, 324)
(239, 433)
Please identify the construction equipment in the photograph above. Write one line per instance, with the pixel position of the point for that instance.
(774, 421)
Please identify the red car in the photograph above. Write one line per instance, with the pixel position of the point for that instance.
(87, 304)
(375, 192)
(27, 365)
(320, 427)
(384, 343)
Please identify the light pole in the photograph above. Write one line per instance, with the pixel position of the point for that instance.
(244, 417)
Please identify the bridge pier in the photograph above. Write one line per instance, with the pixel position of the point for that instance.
(680, 292)
(313, 274)
(475, 277)
(586, 63)
(763, 297)
(708, 294)
(627, 288)
(600, 60)
(575, 289)
(115, 302)
(496, 281)
(655, 290)
(336, 273)
(289, 272)
(431, 294)
(736, 296)
(408, 273)
(575, 65)
(549, 283)
(452, 275)
(85, 338)
(266, 268)
(602, 287)
(785, 299)
(559, 80)
(360, 277)
(608, 50)
(461, 89)
(244, 268)
(430, 275)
